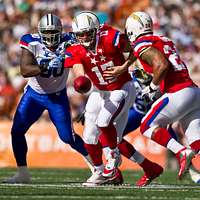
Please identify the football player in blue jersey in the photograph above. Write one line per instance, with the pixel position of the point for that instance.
(42, 62)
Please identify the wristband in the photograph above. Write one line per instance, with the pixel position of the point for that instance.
(153, 86)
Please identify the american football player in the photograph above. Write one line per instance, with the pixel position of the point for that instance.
(180, 99)
(98, 49)
(42, 61)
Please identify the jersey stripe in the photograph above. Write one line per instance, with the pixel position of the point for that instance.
(155, 111)
(142, 44)
(116, 38)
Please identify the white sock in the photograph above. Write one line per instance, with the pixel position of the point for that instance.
(174, 146)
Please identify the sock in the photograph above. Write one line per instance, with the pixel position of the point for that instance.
(20, 148)
(195, 145)
(95, 152)
(109, 134)
(137, 157)
(161, 136)
(174, 146)
(78, 145)
(126, 149)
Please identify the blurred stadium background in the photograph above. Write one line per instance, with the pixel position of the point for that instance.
(178, 19)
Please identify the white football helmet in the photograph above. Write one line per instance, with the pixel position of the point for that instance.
(138, 23)
(85, 26)
(50, 30)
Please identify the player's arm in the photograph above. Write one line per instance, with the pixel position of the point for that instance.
(116, 71)
(78, 70)
(28, 64)
(157, 60)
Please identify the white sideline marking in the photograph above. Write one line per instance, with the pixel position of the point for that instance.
(106, 187)
(87, 197)
(76, 197)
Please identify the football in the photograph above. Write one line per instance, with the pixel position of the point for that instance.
(82, 84)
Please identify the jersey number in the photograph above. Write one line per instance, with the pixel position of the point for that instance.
(55, 72)
(174, 58)
(99, 74)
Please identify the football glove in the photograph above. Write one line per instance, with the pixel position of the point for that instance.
(149, 93)
(52, 62)
(56, 62)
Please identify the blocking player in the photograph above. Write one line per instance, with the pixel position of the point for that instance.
(136, 113)
(180, 99)
(99, 49)
(42, 61)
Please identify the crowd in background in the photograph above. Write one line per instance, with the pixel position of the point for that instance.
(178, 19)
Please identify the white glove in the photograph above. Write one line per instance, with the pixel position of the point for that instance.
(149, 93)
(56, 62)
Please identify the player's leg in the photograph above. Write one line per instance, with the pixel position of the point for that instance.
(163, 113)
(59, 112)
(116, 106)
(90, 136)
(134, 121)
(24, 117)
(151, 169)
(178, 132)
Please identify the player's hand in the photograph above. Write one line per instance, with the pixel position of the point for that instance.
(149, 94)
(56, 62)
(112, 72)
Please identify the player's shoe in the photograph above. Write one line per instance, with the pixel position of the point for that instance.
(117, 179)
(98, 179)
(194, 174)
(22, 176)
(184, 157)
(114, 161)
(153, 172)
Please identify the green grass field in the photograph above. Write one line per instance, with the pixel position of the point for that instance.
(66, 184)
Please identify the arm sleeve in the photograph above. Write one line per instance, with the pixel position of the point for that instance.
(72, 57)
(25, 42)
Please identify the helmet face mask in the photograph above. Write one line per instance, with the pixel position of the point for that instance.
(137, 24)
(85, 27)
(50, 30)
(87, 38)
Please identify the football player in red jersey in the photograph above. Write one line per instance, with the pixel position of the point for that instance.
(181, 97)
(98, 49)
(105, 45)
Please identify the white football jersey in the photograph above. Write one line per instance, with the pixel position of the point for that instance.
(53, 79)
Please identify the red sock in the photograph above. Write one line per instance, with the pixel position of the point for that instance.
(147, 166)
(126, 149)
(110, 135)
(95, 152)
(195, 145)
(161, 136)
(103, 141)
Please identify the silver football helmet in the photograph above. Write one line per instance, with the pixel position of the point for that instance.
(50, 30)
(85, 26)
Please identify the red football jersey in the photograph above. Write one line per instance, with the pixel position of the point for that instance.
(109, 52)
(177, 77)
